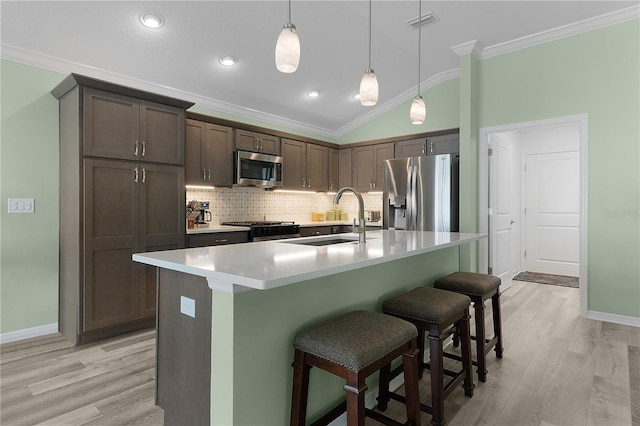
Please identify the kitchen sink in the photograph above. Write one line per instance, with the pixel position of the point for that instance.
(324, 241)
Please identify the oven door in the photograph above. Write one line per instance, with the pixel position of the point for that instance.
(260, 170)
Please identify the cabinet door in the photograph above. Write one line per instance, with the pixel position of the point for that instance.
(445, 144)
(334, 166)
(219, 155)
(110, 289)
(257, 142)
(382, 152)
(162, 132)
(363, 173)
(111, 125)
(344, 167)
(246, 140)
(294, 164)
(411, 148)
(195, 172)
(162, 221)
(317, 167)
(218, 239)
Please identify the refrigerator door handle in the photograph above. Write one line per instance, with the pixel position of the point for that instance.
(412, 216)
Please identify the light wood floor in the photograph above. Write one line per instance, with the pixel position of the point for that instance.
(557, 369)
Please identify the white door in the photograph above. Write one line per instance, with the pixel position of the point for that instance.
(552, 206)
(500, 218)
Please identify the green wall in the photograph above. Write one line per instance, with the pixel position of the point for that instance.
(597, 73)
(29, 169)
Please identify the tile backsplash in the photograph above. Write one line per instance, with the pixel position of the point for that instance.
(243, 203)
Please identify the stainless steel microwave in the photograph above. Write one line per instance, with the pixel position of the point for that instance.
(255, 169)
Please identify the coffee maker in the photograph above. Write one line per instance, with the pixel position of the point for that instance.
(204, 215)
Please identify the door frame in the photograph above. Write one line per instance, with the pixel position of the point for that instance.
(483, 190)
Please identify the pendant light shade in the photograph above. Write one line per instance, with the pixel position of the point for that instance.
(369, 83)
(418, 111)
(368, 88)
(288, 48)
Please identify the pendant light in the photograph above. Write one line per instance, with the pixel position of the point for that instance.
(418, 111)
(369, 82)
(288, 48)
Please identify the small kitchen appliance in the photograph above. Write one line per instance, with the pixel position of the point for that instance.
(198, 213)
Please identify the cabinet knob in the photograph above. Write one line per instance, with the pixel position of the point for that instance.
(135, 151)
(208, 175)
(308, 183)
(144, 175)
(135, 178)
(144, 147)
(204, 175)
(303, 182)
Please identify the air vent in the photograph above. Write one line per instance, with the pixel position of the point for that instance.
(425, 19)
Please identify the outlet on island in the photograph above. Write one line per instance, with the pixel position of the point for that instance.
(188, 306)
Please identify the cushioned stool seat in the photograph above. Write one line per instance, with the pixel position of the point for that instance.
(353, 346)
(479, 287)
(438, 313)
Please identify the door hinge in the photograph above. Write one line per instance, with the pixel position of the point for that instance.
(490, 270)
(525, 167)
(525, 253)
(490, 152)
(525, 210)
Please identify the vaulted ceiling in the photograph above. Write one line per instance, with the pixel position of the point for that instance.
(105, 39)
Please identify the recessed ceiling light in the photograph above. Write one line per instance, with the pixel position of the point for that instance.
(152, 20)
(228, 60)
(313, 93)
(356, 96)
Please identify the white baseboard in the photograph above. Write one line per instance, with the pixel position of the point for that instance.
(617, 319)
(27, 333)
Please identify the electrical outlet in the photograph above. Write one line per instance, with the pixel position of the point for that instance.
(188, 306)
(21, 205)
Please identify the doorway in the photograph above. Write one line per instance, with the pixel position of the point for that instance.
(552, 236)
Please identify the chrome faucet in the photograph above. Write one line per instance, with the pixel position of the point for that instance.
(362, 227)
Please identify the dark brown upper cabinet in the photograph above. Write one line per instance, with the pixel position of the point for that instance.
(208, 154)
(367, 165)
(123, 127)
(257, 142)
(334, 170)
(305, 166)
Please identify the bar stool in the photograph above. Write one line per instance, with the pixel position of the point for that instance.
(479, 287)
(354, 346)
(438, 313)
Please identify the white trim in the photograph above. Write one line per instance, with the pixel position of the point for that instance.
(483, 182)
(398, 100)
(474, 47)
(28, 333)
(614, 318)
(569, 30)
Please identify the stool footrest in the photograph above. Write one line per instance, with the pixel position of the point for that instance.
(381, 418)
(400, 398)
(331, 415)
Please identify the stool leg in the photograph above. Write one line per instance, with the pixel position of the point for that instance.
(410, 368)
(437, 376)
(478, 306)
(497, 322)
(467, 363)
(300, 390)
(421, 360)
(355, 389)
(383, 387)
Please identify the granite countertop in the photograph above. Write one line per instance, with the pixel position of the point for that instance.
(269, 264)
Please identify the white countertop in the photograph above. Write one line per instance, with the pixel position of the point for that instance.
(270, 264)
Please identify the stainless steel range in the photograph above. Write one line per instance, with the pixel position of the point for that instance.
(264, 230)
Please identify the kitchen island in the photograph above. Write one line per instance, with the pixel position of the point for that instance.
(227, 315)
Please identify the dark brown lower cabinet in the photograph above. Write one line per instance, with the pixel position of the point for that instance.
(128, 208)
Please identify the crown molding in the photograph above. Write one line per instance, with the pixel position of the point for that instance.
(474, 47)
(398, 100)
(63, 66)
(564, 31)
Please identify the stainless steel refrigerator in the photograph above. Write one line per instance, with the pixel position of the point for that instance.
(421, 193)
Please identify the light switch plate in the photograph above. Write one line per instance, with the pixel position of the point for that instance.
(21, 205)
(188, 306)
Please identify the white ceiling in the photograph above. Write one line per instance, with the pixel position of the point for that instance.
(104, 39)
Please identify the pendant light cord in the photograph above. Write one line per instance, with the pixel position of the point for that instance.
(419, 42)
(369, 34)
(289, 11)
